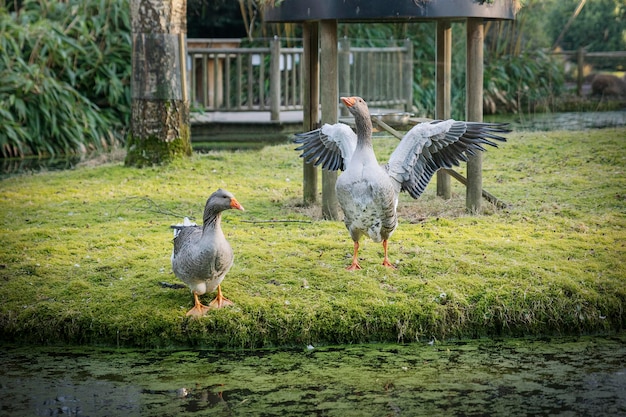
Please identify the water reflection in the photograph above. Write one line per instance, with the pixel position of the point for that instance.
(569, 377)
(13, 166)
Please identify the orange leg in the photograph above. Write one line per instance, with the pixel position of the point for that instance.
(199, 309)
(220, 301)
(355, 260)
(386, 259)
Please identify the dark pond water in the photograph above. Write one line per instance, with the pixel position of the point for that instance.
(560, 377)
(563, 121)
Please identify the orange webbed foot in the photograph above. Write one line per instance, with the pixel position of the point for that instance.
(389, 264)
(353, 267)
(198, 310)
(220, 301)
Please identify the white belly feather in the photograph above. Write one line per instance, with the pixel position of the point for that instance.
(368, 201)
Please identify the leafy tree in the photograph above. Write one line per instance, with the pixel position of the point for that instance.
(598, 27)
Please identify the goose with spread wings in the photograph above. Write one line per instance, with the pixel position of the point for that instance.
(367, 191)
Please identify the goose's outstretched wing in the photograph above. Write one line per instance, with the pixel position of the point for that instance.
(331, 146)
(428, 147)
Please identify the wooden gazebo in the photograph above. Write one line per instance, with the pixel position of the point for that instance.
(320, 18)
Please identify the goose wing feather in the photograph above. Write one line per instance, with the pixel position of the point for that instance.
(330, 146)
(428, 147)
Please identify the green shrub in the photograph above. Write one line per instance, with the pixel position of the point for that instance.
(519, 83)
(66, 70)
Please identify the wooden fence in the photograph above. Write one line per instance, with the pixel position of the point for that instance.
(229, 78)
(580, 54)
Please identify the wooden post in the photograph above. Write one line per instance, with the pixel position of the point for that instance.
(274, 79)
(474, 108)
(443, 90)
(329, 98)
(345, 89)
(182, 50)
(407, 77)
(311, 97)
(580, 60)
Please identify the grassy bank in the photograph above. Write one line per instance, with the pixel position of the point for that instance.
(86, 252)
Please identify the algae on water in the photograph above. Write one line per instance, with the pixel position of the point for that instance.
(569, 376)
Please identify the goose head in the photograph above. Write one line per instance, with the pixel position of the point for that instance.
(356, 106)
(218, 202)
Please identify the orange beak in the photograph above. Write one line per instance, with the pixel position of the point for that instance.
(348, 101)
(235, 204)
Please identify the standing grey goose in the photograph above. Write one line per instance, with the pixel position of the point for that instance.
(368, 192)
(202, 256)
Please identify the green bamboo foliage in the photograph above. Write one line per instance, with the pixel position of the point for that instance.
(65, 76)
(519, 74)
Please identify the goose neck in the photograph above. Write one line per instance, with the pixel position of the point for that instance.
(211, 220)
(363, 131)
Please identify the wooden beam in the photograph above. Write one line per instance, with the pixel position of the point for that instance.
(329, 97)
(474, 108)
(488, 196)
(311, 98)
(443, 91)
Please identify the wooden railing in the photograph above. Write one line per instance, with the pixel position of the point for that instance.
(382, 76)
(245, 79)
(580, 54)
(269, 79)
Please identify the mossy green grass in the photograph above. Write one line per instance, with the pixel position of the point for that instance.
(86, 252)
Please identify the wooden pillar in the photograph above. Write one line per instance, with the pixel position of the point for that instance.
(343, 61)
(329, 98)
(274, 79)
(443, 90)
(311, 97)
(407, 78)
(580, 60)
(474, 108)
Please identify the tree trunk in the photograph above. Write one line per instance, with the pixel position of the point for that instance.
(159, 130)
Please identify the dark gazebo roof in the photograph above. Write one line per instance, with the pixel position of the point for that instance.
(389, 10)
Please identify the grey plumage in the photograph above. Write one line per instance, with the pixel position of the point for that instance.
(202, 256)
